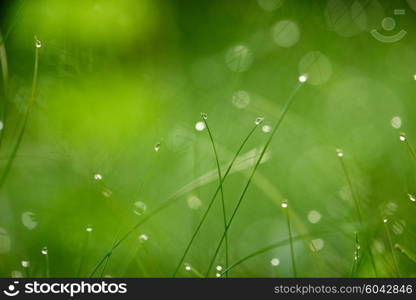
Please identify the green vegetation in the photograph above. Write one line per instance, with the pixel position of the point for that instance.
(203, 139)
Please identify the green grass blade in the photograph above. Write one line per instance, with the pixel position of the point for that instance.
(224, 213)
(188, 246)
(25, 118)
(266, 146)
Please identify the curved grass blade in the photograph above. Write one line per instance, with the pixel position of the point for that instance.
(5, 75)
(266, 146)
(188, 246)
(26, 116)
(224, 214)
(265, 249)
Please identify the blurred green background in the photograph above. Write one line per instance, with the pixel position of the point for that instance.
(117, 78)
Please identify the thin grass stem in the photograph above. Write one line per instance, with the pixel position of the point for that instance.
(405, 253)
(340, 155)
(188, 246)
(26, 116)
(224, 213)
(289, 229)
(393, 253)
(266, 146)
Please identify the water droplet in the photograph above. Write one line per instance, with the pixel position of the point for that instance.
(385, 220)
(98, 176)
(241, 99)
(275, 261)
(340, 153)
(266, 128)
(38, 43)
(157, 147)
(194, 202)
(285, 33)
(199, 126)
(218, 275)
(188, 267)
(106, 192)
(314, 216)
(44, 250)
(259, 120)
(414, 77)
(317, 244)
(411, 197)
(25, 263)
(284, 204)
(5, 241)
(396, 122)
(143, 238)
(204, 116)
(357, 246)
(402, 137)
(218, 268)
(88, 229)
(139, 208)
(16, 274)
(239, 58)
(28, 220)
(1, 125)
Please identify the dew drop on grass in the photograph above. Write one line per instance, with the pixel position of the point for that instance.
(218, 275)
(139, 208)
(411, 197)
(98, 176)
(188, 267)
(340, 153)
(259, 120)
(303, 78)
(194, 202)
(88, 229)
(157, 147)
(266, 128)
(284, 204)
(5, 241)
(16, 274)
(143, 238)
(314, 216)
(28, 220)
(38, 43)
(402, 137)
(218, 268)
(25, 263)
(1, 125)
(199, 126)
(396, 122)
(275, 261)
(241, 99)
(44, 251)
(385, 220)
(204, 116)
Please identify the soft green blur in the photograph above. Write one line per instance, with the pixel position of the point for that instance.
(117, 78)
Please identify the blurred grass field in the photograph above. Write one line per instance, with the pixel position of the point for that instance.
(115, 133)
